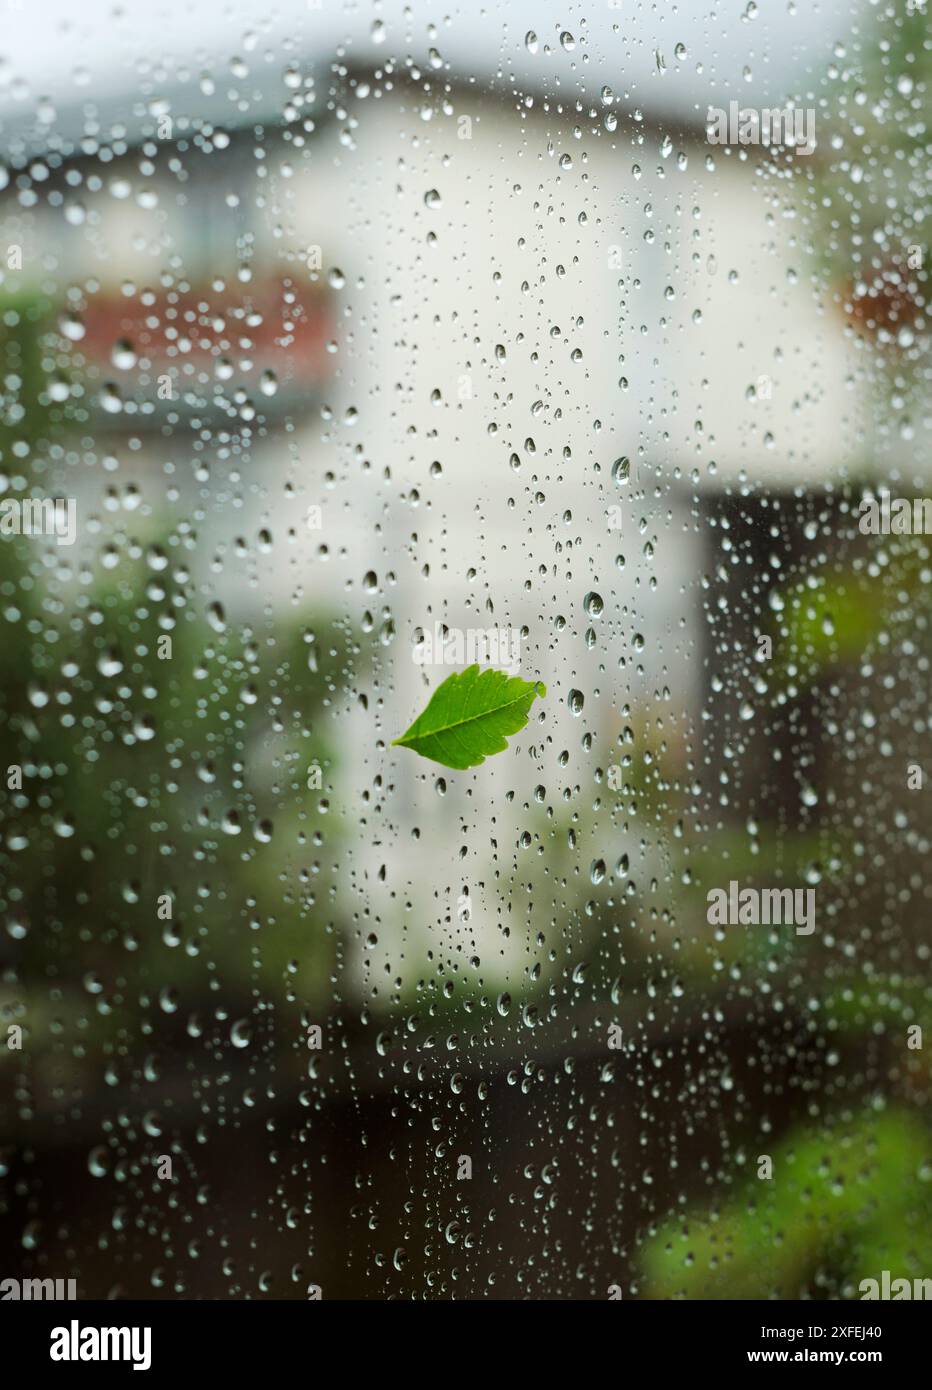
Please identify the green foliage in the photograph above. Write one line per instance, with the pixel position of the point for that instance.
(831, 617)
(858, 1006)
(842, 1206)
(145, 778)
(23, 318)
(867, 193)
(469, 715)
(828, 623)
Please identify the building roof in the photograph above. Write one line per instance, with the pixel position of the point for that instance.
(104, 69)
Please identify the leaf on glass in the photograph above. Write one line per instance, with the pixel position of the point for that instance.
(470, 715)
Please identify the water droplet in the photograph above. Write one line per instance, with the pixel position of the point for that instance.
(123, 355)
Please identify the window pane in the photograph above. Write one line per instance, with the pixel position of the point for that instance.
(465, 597)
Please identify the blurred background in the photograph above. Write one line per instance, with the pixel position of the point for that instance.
(348, 320)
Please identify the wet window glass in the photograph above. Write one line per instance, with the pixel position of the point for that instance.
(465, 593)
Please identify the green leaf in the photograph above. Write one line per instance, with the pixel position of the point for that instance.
(469, 715)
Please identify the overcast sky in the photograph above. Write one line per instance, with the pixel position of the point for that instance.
(74, 51)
